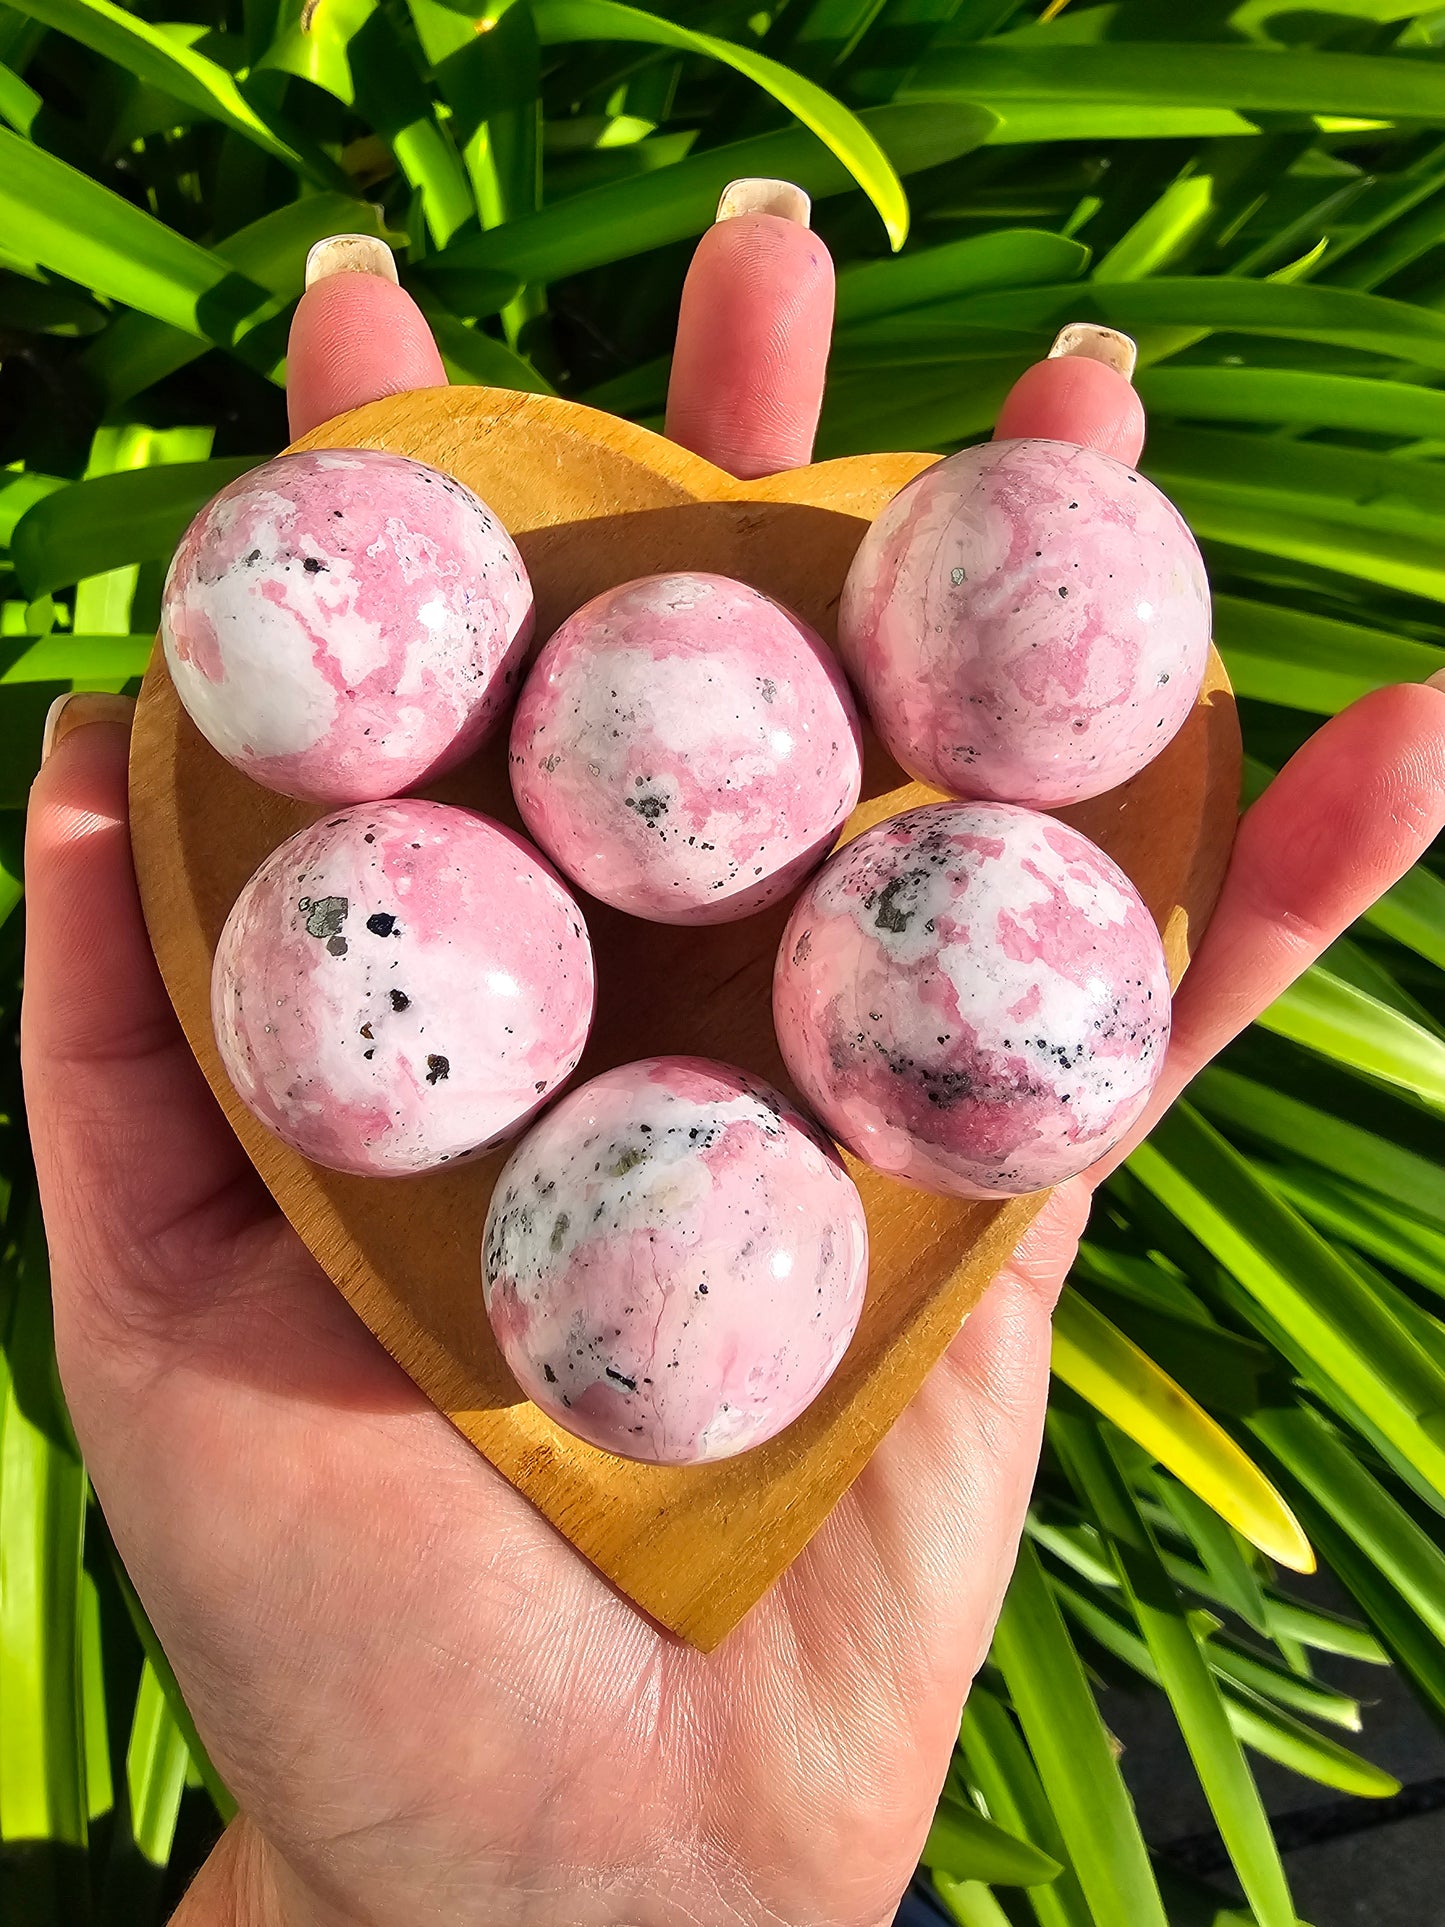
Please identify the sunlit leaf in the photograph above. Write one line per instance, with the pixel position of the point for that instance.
(1033, 1651)
(1094, 1358)
(839, 129)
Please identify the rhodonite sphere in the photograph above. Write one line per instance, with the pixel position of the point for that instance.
(342, 625)
(973, 998)
(685, 749)
(1027, 622)
(674, 1262)
(400, 985)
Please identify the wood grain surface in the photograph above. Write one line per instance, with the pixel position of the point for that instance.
(593, 501)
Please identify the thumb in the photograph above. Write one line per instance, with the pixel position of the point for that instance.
(143, 1186)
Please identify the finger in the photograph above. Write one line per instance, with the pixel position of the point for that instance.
(356, 335)
(1082, 393)
(1344, 819)
(753, 334)
(141, 1181)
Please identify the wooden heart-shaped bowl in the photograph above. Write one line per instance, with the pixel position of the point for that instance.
(593, 501)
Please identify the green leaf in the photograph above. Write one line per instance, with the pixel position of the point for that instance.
(969, 1902)
(1314, 1452)
(1252, 79)
(162, 60)
(66, 658)
(1236, 1583)
(1183, 1670)
(1413, 912)
(1016, 257)
(389, 91)
(1033, 1651)
(1327, 1632)
(1288, 1741)
(1317, 1306)
(840, 130)
(155, 1771)
(1347, 510)
(1305, 661)
(1098, 1362)
(999, 1767)
(1295, 398)
(19, 103)
(94, 1721)
(491, 82)
(611, 223)
(1382, 1165)
(313, 42)
(97, 525)
(1162, 233)
(1353, 1215)
(19, 490)
(962, 1843)
(136, 352)
(1338, 317)
(78, 228)
(1023, 122)
(1267, 1729)
(1284, 1688)
(1407, 1640)
(471, 355)
(43, 1774)
(1322, 1012)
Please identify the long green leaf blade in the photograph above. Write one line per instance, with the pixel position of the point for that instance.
(114, 519)
(835, 125)
(1076, 1764)
(1183, 1670)
(162, 61)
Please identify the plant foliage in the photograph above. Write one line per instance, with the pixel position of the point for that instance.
(1250, 1362)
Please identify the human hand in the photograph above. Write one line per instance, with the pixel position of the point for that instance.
(430, 1709)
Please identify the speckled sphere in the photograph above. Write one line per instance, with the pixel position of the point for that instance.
(1027, 622)
(345, 624)
(674, 1261)
(401, 985)
(973, 998)
(685, 749)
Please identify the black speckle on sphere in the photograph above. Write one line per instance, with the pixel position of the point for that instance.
(400, 1000)
(381, 923)
(437, 1068)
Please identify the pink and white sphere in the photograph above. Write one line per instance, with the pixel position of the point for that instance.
(345, 624)
(973, 998)
(401, 985)
(685, 749)
(1027, 622)
(674, 1261)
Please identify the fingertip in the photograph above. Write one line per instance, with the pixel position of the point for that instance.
(355, 338)
(82, 780)
(754, 330)
(1074, 398)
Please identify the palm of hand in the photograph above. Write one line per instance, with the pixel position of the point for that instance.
(430, 1708)
(422, 1695)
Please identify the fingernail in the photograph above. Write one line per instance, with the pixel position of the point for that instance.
(80, 708)
(1092, 343)
(350, 254)
(1437, 681)
(759, 196)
